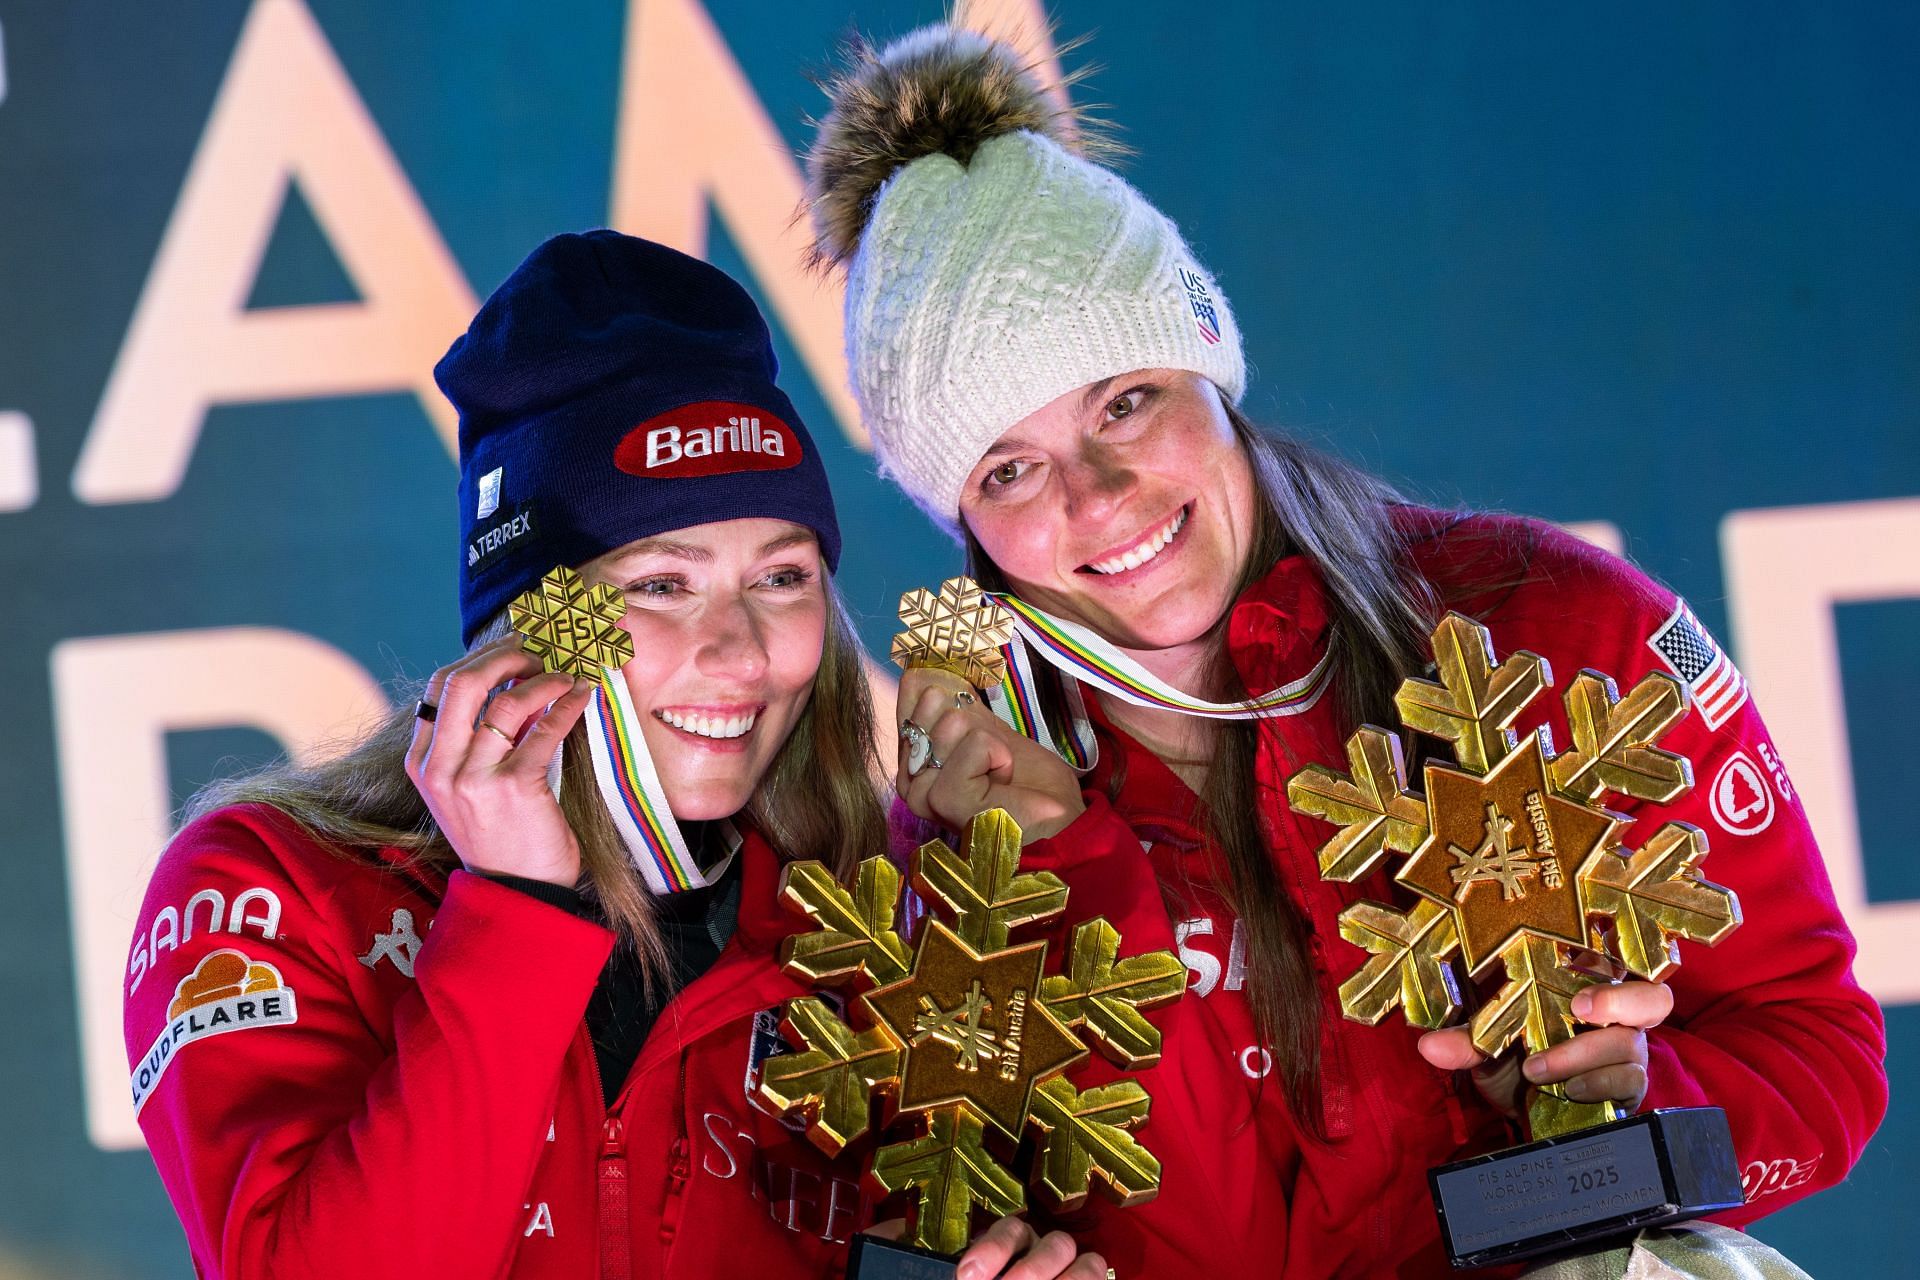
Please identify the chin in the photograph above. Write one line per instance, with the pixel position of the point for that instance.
(1181, 618)
(705, 801)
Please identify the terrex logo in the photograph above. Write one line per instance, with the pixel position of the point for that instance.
(710, 438)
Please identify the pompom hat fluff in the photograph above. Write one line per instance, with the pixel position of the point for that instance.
(991, 267)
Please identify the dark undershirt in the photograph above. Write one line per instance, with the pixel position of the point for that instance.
(695, 925)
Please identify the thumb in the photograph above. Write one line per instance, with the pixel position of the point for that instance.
(1450, 1049)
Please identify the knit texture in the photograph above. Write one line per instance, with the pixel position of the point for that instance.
(982, 292)
(610, 390)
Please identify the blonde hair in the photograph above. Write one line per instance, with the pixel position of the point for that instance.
(817, 799)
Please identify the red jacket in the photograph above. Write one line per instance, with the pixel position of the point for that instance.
(421, 1099)
(381, 1094)
(1769, 1025)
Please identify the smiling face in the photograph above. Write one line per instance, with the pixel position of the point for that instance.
(1127, 505)
(728, 621)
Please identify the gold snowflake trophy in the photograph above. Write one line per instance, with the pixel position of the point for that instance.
(1518, 868)
(965, 1035)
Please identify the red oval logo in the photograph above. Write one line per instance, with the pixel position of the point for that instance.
(709, 438)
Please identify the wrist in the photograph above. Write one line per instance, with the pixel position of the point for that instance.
(564, 896)
(1052, 820)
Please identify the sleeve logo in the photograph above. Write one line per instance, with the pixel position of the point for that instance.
(1741, 802)
(1714, 685)
(225, 992)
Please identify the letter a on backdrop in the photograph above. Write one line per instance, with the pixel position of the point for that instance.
(285, 113)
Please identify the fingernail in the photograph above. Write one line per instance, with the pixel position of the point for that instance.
(1535, 1067)
(1582, 1005)
(968, 1270)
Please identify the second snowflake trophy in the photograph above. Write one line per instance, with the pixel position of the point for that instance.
(965, 1033)
(1520, 873)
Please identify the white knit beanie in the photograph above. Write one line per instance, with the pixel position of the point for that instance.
(990, 269)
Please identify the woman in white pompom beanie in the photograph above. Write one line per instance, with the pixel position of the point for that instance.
(1049, 372)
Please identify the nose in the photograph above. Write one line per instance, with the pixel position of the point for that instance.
(1097, 484)
(730, 646)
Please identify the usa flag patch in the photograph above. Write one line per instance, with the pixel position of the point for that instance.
(1714, 684)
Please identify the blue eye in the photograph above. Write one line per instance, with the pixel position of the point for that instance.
(789, 578)
(659, 588)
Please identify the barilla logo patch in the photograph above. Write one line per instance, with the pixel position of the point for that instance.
(1205, 317)
(711, 438)
(489, 544)
(226, 992)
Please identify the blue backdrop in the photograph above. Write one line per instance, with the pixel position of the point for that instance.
(1651, 265)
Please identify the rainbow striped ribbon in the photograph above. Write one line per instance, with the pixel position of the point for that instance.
(1083, 655)
(631, 788)
(1017, 702)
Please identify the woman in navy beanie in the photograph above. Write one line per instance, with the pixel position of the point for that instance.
(499, 980)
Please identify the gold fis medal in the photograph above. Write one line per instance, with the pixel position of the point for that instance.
(957, 628)
(571, 626)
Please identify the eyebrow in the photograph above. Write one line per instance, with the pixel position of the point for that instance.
(1096, 390)
(701, 555)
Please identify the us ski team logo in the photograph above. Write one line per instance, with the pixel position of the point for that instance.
(225, 992)
(1206, 318)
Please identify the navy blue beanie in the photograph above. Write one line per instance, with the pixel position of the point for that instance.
(613, 389)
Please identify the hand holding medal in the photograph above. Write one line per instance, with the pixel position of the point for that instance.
(574, 629)
(957, 757)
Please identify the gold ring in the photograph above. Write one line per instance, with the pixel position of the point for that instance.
(504, 735)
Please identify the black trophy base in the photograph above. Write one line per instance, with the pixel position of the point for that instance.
(1570, 1192)
(872, 1258)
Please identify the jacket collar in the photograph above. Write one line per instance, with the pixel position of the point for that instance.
(1277, 629)
(1276, 632)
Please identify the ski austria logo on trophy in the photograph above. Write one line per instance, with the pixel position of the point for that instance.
(965, 1033)
(1519, 868)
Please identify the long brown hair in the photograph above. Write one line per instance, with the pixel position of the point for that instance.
(1339, 518)
(817, 799)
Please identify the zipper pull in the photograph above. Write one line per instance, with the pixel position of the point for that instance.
(613, 1138)
(679, 1164)
(616, 1249)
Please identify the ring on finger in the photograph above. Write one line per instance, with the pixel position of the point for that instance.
(964, 698)
(424, 710)
(919, 748)
(504, 735)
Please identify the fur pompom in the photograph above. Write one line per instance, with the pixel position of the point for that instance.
(939, 89)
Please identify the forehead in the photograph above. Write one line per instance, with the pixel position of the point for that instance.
(746, 538)
(1063, 416)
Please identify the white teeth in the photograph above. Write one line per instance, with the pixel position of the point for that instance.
(710, 726)
(1145, 551)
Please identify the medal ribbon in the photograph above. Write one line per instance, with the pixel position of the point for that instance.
(630, 786)
(1082, 655)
